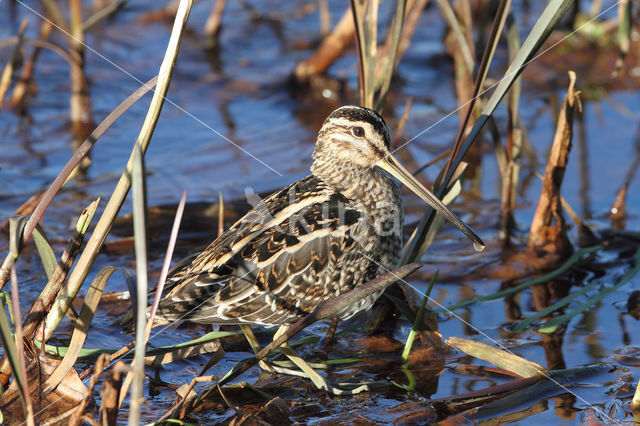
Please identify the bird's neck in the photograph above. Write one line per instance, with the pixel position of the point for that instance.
(369, 186)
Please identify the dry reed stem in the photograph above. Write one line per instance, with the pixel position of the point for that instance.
(618, 212)
(78, 413)
(212, 26)
(332, 48)
(52, 288)
(79, 101)
(103, 13)
(166, 263)
(411, 18)
(16, 60)
(55, 14)
(62, 177)
(544, 234)
(337, 42)
(22, 87)
(10, 41)
(460, 31)
(324, 16)
(510, 167)
(110, 394)
(117, 198)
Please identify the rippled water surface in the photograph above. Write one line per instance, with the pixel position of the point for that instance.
(232, 120)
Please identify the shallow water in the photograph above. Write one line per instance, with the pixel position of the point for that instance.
(232, 122)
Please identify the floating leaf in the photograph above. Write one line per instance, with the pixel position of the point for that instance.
(498, 357)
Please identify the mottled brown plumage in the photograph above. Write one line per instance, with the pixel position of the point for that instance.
(307, 243)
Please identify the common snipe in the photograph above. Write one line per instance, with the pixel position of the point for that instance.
(337, 228)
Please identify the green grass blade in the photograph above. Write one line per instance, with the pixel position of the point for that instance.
(552, 325)
(47, 256)
(140, 239)
(416, 323)
(559, 304)
(9, 344)
(61, 351)
(551, 275)
(206, 338)
(17, 226)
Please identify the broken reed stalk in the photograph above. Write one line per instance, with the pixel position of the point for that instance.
(618, 209)
(23, 85)
(15, 60)
(110, 394)
(212, 26)
(89, 254)
(548, 231)
(331, 48)
(78, 412)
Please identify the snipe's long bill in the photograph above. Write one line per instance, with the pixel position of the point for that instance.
(331, 231)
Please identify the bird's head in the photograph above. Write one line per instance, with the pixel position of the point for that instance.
(358, 137)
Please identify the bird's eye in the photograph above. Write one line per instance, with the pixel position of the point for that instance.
(357, 131)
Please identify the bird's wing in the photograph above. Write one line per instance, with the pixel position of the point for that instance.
(270, 212)
(273, 273)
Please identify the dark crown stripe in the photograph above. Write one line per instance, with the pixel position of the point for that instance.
(355, 113)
